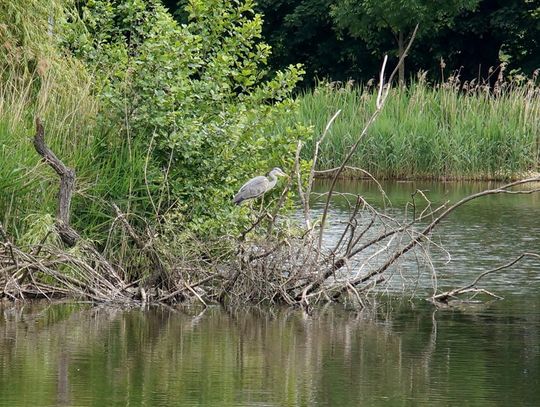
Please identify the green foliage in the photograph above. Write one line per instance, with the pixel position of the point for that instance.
(517, 26)
(471, 42)
(304, 31)
(38, 79)
(428, 133)
(26, 24)
(194, 95)
(365, 18)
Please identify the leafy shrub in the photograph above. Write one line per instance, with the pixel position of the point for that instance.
(194, 96)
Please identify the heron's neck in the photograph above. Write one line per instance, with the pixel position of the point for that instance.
(273, 179)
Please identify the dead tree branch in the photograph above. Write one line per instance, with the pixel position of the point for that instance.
(381, 99)
(67, 183)
(159, 274)
(444, 297)
(505, 189)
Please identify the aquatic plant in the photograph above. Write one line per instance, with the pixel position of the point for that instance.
(447, 130)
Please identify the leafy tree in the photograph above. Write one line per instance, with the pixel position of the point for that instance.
(516, 24)
(304, 31)
(193, 95)
(470, 42)
(368, 19)
(496, 31)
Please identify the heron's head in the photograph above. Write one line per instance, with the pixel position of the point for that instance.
(277, 171)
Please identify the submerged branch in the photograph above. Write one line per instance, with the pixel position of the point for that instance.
(444, 297)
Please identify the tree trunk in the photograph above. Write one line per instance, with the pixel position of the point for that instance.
(67, 183)
(401, 50)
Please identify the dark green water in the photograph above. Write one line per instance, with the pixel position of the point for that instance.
(398, 354)
(65, 355)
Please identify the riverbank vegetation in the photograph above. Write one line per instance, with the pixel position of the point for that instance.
(450, 130)
(161, 122)
(125, 133)
(155, 133)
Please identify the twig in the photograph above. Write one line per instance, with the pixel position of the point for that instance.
(196, 294)
(381, 99)
(445, 296)
(151, 254)
(314, 164)
(303, 197)
(9, 245)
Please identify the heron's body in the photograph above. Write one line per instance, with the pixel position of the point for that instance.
(257, 186)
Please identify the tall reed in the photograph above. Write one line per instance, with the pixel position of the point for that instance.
(109, 167)
(37, 78)
(452, 130)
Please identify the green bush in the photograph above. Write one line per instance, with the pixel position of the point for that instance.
(194, 97)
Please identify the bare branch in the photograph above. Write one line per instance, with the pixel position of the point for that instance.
(66, 174)
(424, 233)
(314, 162)
(445, 296)
(381, 99)
(67, 182)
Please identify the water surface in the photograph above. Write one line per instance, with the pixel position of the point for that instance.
(478, 236)
(398, 353)
(70, 355)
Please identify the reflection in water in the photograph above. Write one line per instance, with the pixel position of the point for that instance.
(73, 355)
(395, 354)
(481, 235)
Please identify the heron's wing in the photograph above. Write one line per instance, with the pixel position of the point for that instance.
(254, 187)
(253, 183)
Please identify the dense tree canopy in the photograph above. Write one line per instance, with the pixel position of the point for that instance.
(367, 19)
(305, 31)
(494, 31)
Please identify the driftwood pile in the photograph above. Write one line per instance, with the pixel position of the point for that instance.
(294, 268)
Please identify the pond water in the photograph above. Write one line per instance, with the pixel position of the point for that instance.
(480, 235)
(74, 355)
(397, 353)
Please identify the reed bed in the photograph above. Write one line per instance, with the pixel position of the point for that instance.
(452, 130)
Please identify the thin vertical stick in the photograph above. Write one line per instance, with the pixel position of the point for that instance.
(314, 164)
(381, 99)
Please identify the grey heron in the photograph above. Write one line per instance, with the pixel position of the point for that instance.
(258, 186)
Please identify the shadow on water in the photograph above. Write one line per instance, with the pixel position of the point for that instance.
(481, 235)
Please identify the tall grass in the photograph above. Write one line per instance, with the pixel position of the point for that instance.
(453, 130)
(37, 79)
(109, 168)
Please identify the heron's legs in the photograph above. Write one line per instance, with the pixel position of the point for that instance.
(250, 206)
(262, 204)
